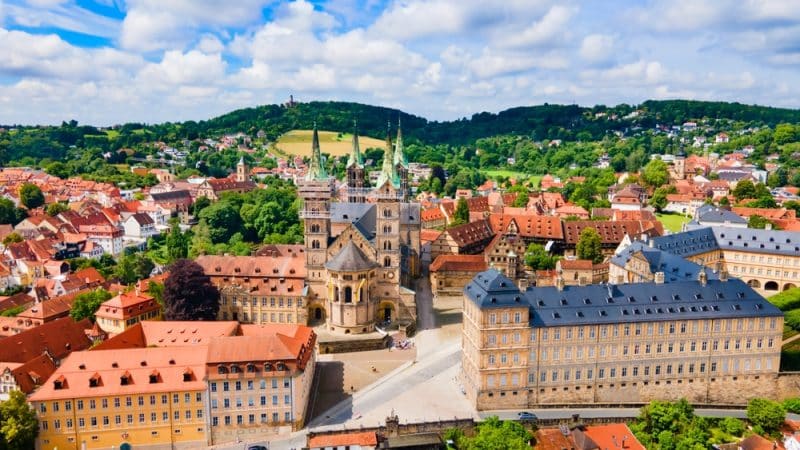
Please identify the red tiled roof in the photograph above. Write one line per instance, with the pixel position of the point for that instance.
(59, 337)
(470, 233)
(361, 438)
(151, 333)
(544, 227)
(611, 232)
(611, 436)
(576, 264)
(33, 373)
(458, 263)
(431, 214)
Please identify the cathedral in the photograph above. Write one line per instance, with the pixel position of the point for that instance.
(362, 254)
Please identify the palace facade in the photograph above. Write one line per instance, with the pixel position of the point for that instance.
(705, 340)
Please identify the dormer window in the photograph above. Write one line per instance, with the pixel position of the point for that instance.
(188, 375)
(154, 377)
(268, 367)
(125, 379)
(222, 369)
(94, 381)
(235, 369)
(251, 368)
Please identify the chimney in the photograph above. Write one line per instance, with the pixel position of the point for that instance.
(768, 226)
(723, 275)
(560, 282)
(523, 284)
(651, 243)
(659, 278)
(702, 277)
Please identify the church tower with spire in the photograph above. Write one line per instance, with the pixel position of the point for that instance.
(355, 172)
(241, 170)
(401, 163)
(316, 190)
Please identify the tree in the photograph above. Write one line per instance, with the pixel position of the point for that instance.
(156, 289)
(590, 245)
(9, 213)
(760, 222)
(31, 196)
(134, 267)
(494, 433)
(732, 426)
(724, 201)
(461, 214)
(54, 209)
(86, 305)
(189, 294)
(521, 201)
(655, 173)
(765, 413)
(659, 198)
(223, 221)
(200, 204)
(538, 259)
(12, 238)
(177, 243)
(18, 424)
(744, 189)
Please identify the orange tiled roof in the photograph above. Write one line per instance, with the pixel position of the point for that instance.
(58, 337)
(612, 435)
(459, 263)
(576, 264)
(107, 367)
(361, 438)
(152, 333)
(543, 227)
(611, 232)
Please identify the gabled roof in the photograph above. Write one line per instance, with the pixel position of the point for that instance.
(611, 232)
(33, 373)
(152, 333)
(354, 438)
(675, 268)
(458, 263)
(470, 233)
(59, 337)
(529, 226)
(714, 215)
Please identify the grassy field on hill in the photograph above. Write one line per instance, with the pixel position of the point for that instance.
(494, 173)
(298, 142)
(672, 222)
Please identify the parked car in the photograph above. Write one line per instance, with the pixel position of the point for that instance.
(524, 415)
(257, 447)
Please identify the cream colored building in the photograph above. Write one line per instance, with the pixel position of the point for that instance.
(767, 260)
(707, 340)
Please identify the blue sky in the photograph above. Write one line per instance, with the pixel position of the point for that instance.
(113, 61)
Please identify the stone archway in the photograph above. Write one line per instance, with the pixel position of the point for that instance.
(755, 284)
(387, 311)
(788, 286)
(316, 314)
(771, 286)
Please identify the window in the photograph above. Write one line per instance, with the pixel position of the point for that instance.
(517, 317)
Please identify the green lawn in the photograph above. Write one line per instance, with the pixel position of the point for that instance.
(493, 173)
(672, 222)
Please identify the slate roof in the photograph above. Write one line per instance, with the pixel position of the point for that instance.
(350, 259)
(674, 267)
(711, 214)
(610, 304)
(702, 240)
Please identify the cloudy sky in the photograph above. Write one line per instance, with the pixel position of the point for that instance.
(113, 61)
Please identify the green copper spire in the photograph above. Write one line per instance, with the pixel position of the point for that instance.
(355, 154)
(399, 156)
(316, 170)
(388, 169)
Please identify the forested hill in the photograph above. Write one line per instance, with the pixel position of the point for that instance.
(540, 122)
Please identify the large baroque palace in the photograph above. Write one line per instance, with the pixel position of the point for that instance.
(707, 340)
(359, 252)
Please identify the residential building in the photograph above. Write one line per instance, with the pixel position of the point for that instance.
(125, 398)
(260, 289)
(703, 340)
(179, 385)
(467, 239)
(640, 262)
(714, 216)
(580, 272)
(139, 227)
(611, 232)
(122, 311)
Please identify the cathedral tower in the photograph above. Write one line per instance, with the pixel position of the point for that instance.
(316, 190)
(355, 172)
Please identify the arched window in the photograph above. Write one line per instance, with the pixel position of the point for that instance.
(387, 229)
(387, 212)
(387, 245)
(336, 293)
(348, 294)
(387, 262)
(315, 228)
(315, 244)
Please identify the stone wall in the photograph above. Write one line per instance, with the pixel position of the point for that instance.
(720, 390)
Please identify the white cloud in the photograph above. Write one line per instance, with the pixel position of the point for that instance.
(151, 25)
(191, 68)
(596, 47)
(548, 30)
(58, 14)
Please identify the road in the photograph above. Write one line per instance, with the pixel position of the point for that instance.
(426, 319)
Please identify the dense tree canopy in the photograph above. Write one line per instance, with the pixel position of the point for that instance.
(31, 196)
(766, 414)
(655, 173)
(461, 214)
(86, 305)
(590, 245)
(18, 424)
(189, 294)
(493, 434)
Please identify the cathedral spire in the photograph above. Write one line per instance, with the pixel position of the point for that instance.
(316, 170)
(355, 154)
(388, 169)
(399, 156)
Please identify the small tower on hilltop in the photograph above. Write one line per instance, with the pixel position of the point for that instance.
(241, 170)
